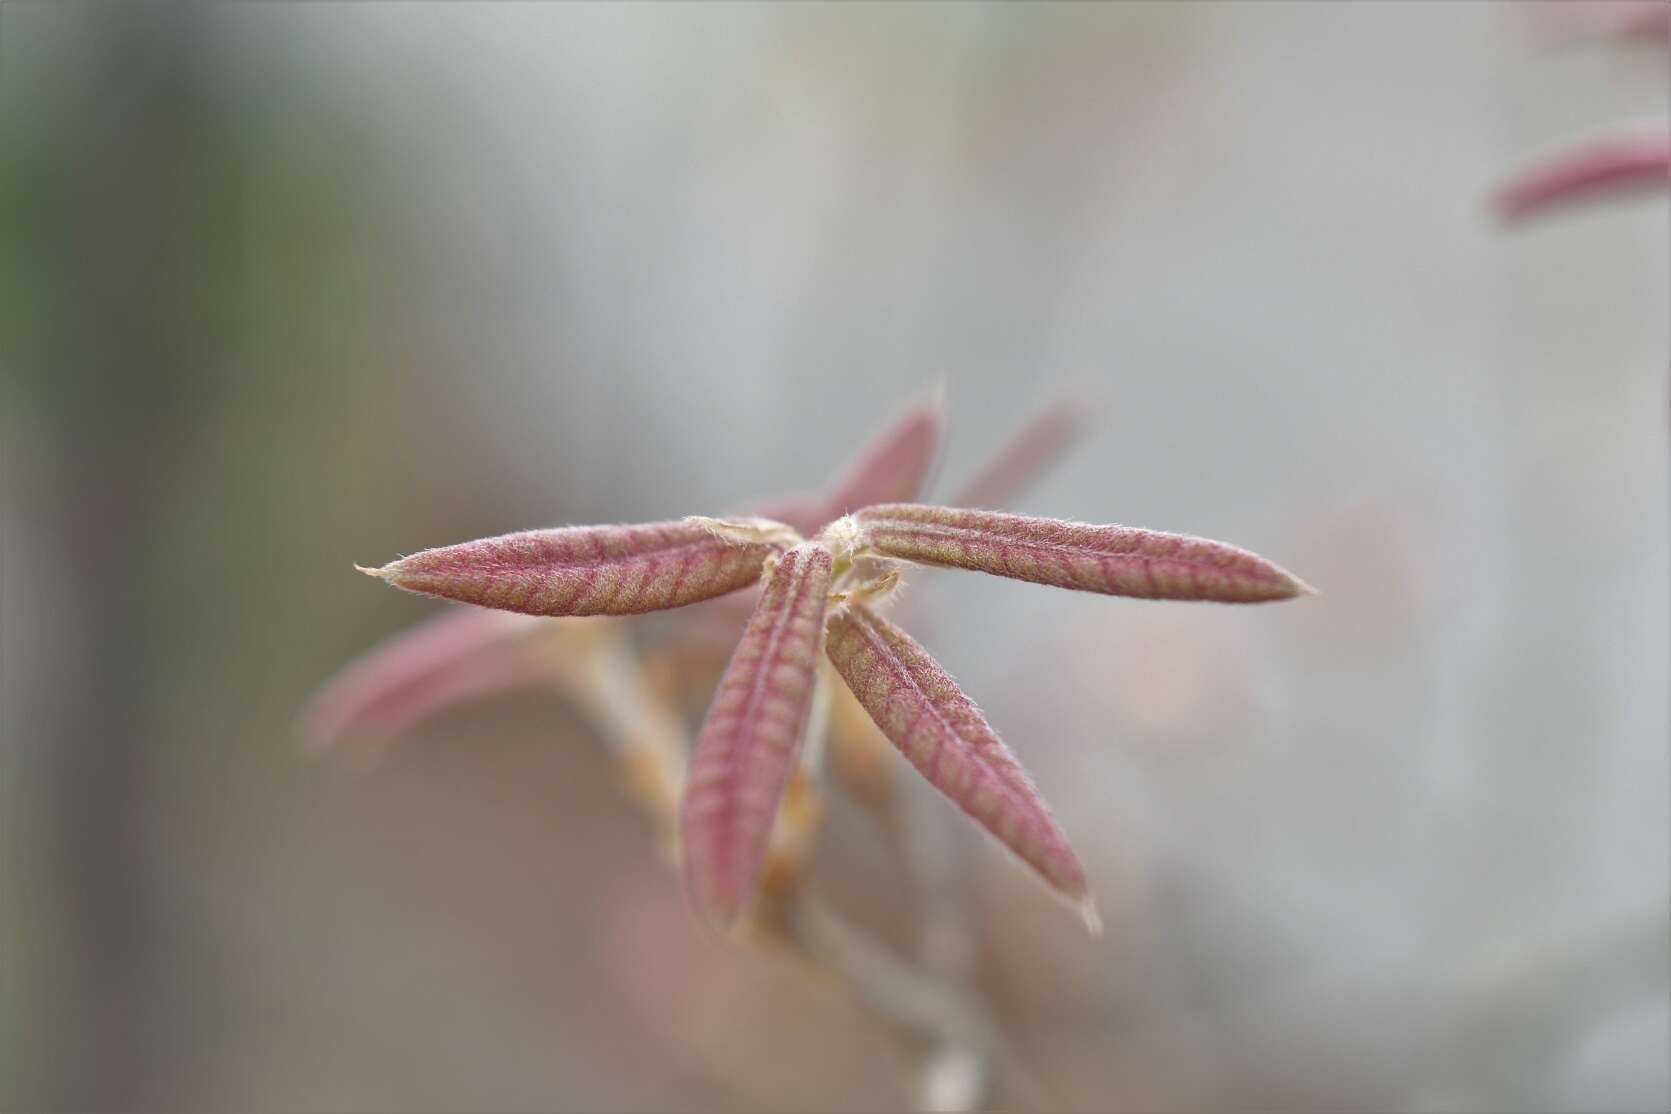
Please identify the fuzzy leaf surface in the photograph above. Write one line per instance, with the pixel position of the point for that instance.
(944, 735)
(749, 743)
(583, 570)
(1112, 560)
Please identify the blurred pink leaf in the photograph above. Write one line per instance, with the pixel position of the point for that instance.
(896, 465)
(1643, 19)
(944, 735)
(462, 655)
(805, 513)
(748, 746)
(1113, 560)
(1558, 21)
(893, 466)
(1646, 19)
(583, 570)
(1029, 452)
(1585, 173)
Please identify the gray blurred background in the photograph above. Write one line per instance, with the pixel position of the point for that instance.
(289, 286)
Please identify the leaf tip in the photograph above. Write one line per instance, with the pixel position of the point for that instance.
(1293, 586)
(311, 737)
(716, 915)
(318, 738)
(934, 399)
(1275, 583)
(1088, 915)
(383, 573)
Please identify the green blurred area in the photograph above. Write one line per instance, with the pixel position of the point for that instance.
(201, 288)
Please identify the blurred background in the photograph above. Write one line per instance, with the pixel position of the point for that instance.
(290, 286)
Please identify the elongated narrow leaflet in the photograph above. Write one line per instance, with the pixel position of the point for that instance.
(1113, 560)
(944, 735)
(584, 570)
(1603, 167)
(748, 746)
(465, 654)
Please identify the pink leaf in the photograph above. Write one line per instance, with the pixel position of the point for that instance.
(462, 655)
(1565, 20)
(1036, 446)
(1650, 21)
(892, 467)
(1113, 560)
(944, 735)
(1584, 173)
(748, 746)
(584, 570)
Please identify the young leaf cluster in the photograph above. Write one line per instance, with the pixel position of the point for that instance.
(825, 564)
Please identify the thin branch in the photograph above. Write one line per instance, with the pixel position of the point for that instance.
(913, 1001)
